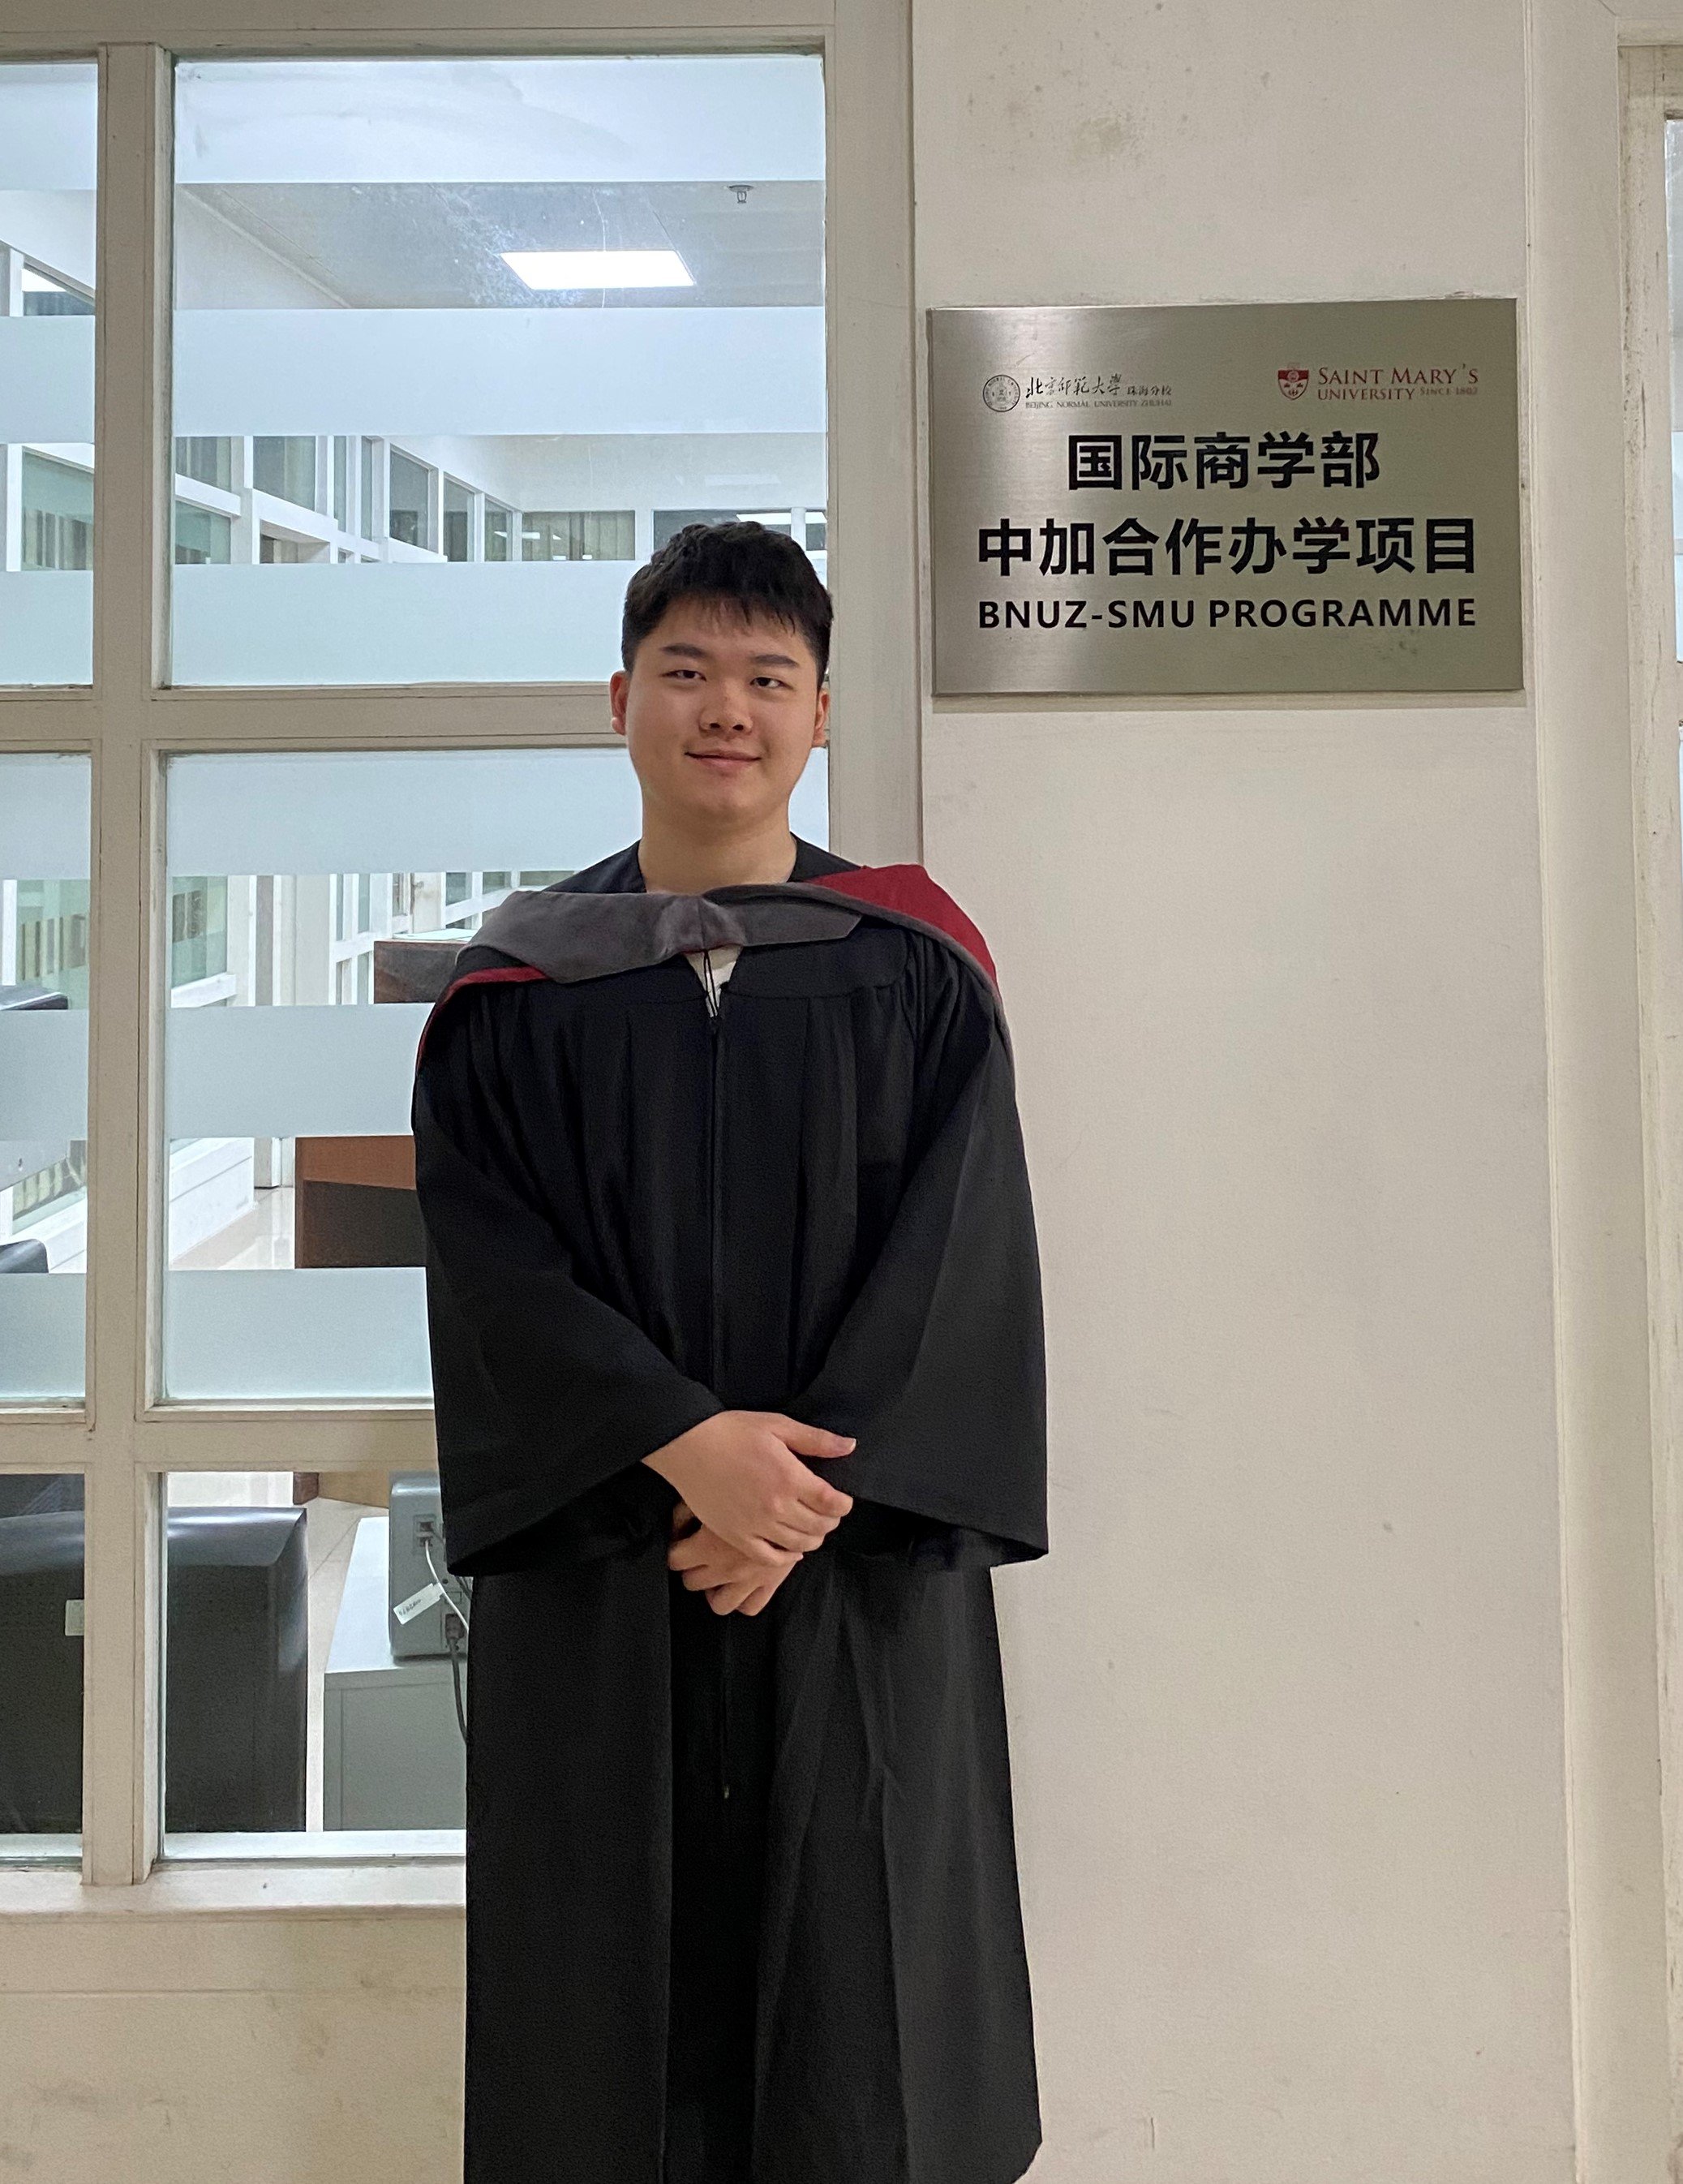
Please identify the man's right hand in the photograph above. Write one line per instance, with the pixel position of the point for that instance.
(742, 1473)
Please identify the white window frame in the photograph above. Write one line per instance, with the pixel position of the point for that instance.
(123, 1439)
(1652, 95)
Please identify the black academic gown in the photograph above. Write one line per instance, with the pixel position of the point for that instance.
(742, 1898)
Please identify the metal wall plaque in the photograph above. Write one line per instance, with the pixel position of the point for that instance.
(1220, 498)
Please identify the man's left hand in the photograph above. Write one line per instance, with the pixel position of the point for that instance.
(732, 1581)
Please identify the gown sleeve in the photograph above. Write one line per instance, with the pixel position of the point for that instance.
(523, 1476)
(938, 1365)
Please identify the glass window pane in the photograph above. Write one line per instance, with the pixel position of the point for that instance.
(410, 512)
(458, 510)
(298, 1699)
(46, 298)
(285, 467)
(41, 1693)
(316, 902)
(367, 249)
(58, 514)
(201, 535)
(584, 535)
(44, 954)
(667, 520)
(48, 135)
(207, 461)
(370, 484)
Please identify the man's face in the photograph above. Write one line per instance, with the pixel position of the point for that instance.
(718, 715)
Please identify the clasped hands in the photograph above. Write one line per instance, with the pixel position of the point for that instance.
(757, 1507)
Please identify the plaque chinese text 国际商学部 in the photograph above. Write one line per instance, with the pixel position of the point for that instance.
(1225, 498)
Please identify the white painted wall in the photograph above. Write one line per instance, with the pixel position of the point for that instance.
(332, 2042)
(1290, 990)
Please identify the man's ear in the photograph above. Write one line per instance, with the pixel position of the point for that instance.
(619, 684)
(821, 725)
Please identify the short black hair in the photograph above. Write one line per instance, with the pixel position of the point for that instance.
(745, 569)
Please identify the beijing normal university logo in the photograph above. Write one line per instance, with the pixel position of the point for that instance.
(1002, 391)
(1294, 380)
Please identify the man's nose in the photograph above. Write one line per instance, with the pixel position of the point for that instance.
(727, 708)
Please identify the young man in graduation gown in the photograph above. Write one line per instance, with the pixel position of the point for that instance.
(735, 1330)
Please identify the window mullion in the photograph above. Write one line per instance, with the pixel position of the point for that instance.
(119, 1792)
(876, 792)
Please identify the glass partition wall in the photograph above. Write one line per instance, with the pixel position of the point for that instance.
(44, 939)
(48, 161)
(452, 338)
(48, 147)
(316, 901)
(454, 343)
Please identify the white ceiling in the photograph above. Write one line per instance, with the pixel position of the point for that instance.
(439, 245)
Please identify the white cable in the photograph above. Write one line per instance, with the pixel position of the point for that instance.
(443, 1584)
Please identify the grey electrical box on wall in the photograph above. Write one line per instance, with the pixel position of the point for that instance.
(419, 1632)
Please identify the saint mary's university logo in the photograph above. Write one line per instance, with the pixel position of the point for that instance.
(1294, 378)
(1002, 391)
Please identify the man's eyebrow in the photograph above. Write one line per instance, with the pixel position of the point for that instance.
(682, 651)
